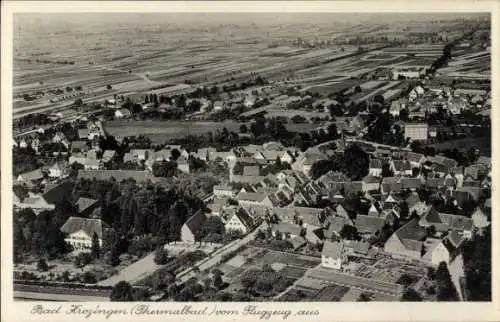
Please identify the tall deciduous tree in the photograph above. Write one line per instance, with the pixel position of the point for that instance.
(446, 289)
(122, 292)
(96, 247)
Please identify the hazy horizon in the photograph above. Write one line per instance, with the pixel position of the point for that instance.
(268, 18)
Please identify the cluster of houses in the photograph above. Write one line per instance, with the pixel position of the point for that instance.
(287, 202)
(423, 101)
(287, 199)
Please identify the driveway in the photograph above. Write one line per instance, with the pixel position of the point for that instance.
(134, 272)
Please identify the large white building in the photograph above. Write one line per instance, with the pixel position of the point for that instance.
(81, 231)
(334, 255)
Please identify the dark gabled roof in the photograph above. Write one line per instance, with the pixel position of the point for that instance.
(286, 227)
(411, 183)
(456, 222)
(455, 238)
(441, 168)
(297, 242)
(475, 170)
(414, 157)
(371, 179)
(390, 180)
(411, 231)
(196, 221)
(472, 183)
(368, 224)
(88, 225)
(353, 187)
(474, 192)
(400, 165)
(393, 187)
(484, 160)
(251, 170)
(119, 175)
(55, 194)
(335, 226)
(432, 216)
(358, 246)
(435, 182)
(412, 199)
(80, 145)
(245, 217)
(412, 245)
(376, 163)
(83, 204)
(449, 163)
(274, 199)
(32, 175)
(333, 249)
(251, 196)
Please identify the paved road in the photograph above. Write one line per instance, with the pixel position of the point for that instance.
(35, 296)
(135, 272)
(216, 257)
(456, 269)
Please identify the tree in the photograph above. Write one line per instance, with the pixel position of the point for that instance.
(411, 296)
(349, 232)
(249, 279)
(175, 154)
(446, 289)
(321, 167)
(180, 101)
(405, 280)
(122, 292)
(332, 131)
(213, 226)
(82, 259)
(431, 273)
(78, 102)
(431, 230)
(109, 87)
(161, 256)
(477, 266)
(218, 279)
(387, 171)
(96, 248)
(379, 99)
(298, 119)
(42, 265)
(364, 297)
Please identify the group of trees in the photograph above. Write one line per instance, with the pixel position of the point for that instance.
(40, 235)
(265, 281)
(446, 290)
(134, 211)
(354, 163)
(386, 131)
(35, 119)
(124, 292)
(477, 265)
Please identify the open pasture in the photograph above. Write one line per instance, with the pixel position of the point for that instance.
(160, 131)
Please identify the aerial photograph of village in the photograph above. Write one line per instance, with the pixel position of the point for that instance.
(251, 157)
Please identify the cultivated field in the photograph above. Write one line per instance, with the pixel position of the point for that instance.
(160, 131)
(138, 53)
